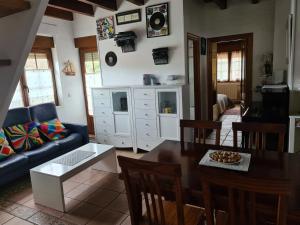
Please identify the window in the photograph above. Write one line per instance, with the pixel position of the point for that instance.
(92, 76)
(37, 84)
(222, 66)
(229, 66)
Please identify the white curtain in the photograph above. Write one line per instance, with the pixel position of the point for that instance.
(222, 66)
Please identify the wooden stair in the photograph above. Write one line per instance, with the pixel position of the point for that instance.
(5, 62)
(8, 7)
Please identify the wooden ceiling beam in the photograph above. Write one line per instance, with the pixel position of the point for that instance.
(137, 2)
(73, 6)
(8, 7)
(106, 4)
(59, 13)
(221, 3)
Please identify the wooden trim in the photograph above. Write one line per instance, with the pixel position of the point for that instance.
(105, 4)
(24, 90)
(137, 2)
(197, 80)
(248, 38)
(86, 42)
(89, 118)
(59, 13)
(13, 6)
(43, 42)
(73, 6)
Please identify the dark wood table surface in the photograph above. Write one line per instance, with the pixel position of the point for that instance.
(264, 164)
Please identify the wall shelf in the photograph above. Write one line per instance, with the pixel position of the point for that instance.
(5, 62)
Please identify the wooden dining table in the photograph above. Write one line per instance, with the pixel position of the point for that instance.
(263, 165)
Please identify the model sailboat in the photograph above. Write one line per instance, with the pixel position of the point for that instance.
(69, 69)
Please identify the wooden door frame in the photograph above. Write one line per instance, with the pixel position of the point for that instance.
(82, 51)
(248, 38)
(197, 80)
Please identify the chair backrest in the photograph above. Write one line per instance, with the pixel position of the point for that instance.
(254, 134)
(242, 198)
(202, 130)
(147, 176)
(43, 112)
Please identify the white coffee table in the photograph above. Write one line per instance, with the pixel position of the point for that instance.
(47, 179)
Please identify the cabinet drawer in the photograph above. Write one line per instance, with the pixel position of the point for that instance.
(144, 94)
(122, 142)
(143, 125)
(101, 102)
(102, 112)
(144, 104)
(145, 114)
(147, 145)
(104, 129)
(98, 93)
(104, 139)
(104, 121)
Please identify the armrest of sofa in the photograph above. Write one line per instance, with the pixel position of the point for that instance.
(79, 128)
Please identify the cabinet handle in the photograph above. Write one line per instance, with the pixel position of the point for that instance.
(105, 130)
(122, 142)
(145, 104)
(104, 121)
(102, 103)
(147, 125)
(147, 134)
(145, 94)
(147, 145)
(146, 114)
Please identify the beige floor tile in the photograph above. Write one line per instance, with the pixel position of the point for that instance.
(102, 197)
(18, 221)
(107, 217)
(82, 214)
(71, 203)
(119, 204)
(23, 212)
(70, 185)
(127, 221)
(4, 217)
(8, 205)
(81, 192)
(41, 218)
(95, 178)
(112, 183)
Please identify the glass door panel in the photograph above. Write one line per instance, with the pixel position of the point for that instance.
(120, 103)
(167, 102)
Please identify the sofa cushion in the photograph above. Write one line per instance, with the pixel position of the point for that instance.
(43, 112)
(43, 153)
(13, 163)
(24, 137)
(53, 129)
(5, 149)
(69, 143)
(17, 116)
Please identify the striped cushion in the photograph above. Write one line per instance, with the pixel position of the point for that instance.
(24, 137)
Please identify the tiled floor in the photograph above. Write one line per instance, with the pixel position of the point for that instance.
(92, 197)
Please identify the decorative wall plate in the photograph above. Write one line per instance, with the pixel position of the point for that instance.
(111, 59)
(157, 17)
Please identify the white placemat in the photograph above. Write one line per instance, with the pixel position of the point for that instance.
(242, 166)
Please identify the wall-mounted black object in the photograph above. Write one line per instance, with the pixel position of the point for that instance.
(126, 40)
(111, 59)
(203, 46)
(160, 56)
(150, 79)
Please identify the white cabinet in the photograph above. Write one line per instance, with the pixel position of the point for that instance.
(151, 116)
(112, 116)
(294, 133)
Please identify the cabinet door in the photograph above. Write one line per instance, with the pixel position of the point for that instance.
(121, 112)
(168, 113)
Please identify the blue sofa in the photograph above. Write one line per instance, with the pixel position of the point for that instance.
(19, 164)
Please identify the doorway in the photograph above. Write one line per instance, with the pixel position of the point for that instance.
(229, 74)
(193, 59)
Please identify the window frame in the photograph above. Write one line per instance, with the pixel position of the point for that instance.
(229, 68)
(23, 82)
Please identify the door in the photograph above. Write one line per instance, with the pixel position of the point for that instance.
(193, 60)
(91, 77)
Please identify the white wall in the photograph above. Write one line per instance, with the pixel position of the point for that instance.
(208, 20)
(70, 88)
(130, 67)
(17, 35)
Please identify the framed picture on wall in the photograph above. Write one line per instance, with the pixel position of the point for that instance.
(132, 16)
(105, 28)
(157, 19)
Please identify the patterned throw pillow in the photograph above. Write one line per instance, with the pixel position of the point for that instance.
(53, 129)
(24, 137)
(5, 149)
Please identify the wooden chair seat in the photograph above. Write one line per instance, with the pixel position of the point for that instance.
(192, 215)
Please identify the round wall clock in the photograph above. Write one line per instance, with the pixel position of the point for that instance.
(111, 59)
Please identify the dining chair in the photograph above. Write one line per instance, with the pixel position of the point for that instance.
(254, 134)
(244, 200)
(150, 181)
(202, 129)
